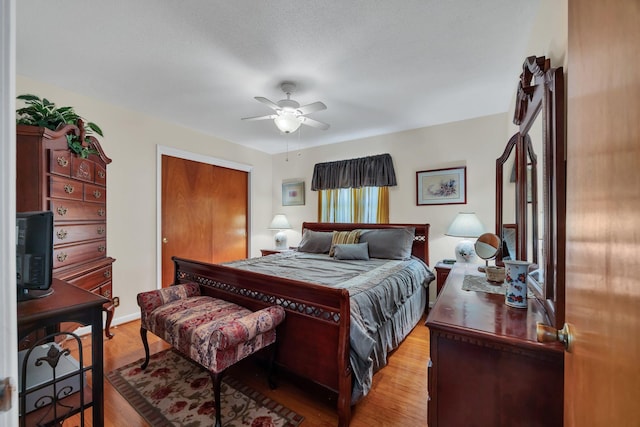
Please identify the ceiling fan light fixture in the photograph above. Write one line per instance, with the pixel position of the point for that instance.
(287, 122)
(288, 114)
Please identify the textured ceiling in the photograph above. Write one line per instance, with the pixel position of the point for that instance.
(379, 66)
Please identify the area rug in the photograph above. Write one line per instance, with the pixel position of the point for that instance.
(173, 391)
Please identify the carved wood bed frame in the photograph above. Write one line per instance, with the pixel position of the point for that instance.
(313, 341)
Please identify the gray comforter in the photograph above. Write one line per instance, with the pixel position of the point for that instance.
(387, 300)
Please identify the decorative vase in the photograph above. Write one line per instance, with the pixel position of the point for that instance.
(516, 281)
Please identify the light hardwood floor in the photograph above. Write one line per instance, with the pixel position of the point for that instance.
(398, 396)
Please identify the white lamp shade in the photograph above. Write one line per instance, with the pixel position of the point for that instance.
(279, 222)
(466, 224)
(287, 122)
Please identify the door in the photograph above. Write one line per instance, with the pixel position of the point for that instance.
(8, 320)
(602, 373)
(204, 213)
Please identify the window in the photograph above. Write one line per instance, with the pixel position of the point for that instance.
(354, 190)
(364, 204)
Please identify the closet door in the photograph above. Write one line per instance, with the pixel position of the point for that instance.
(204, 213)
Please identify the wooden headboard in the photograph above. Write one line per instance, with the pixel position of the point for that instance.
(420, 247)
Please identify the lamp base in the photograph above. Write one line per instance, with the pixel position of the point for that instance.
(281, 240)
(465, 251)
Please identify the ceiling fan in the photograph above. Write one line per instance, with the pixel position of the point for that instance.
(289, 115)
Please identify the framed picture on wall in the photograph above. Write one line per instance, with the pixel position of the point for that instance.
(441, 186)
(293, 193)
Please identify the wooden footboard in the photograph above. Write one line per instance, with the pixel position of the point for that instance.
(313, 341)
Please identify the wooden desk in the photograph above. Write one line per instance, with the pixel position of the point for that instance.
(487, 367)
(68, 303)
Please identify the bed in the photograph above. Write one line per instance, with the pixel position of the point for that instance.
(331, 335)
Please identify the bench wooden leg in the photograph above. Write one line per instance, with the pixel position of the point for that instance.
(216, 379)
(145, 343)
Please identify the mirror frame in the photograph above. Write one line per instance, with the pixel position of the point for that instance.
(540, 94)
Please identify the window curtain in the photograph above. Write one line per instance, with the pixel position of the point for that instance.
(372, 171)
(365, 205)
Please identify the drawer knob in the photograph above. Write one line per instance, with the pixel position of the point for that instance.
(101, 212)
(97, 194)
(102, 248)
(100, 230)
(61, 256)
(101, 174)
(107, 294)
(62, 211)
(62, 161)
(107, 273)
(68, 188)
(62, 234)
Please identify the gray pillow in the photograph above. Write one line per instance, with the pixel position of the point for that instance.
(315, 242)
(358, 251)
(389, 243)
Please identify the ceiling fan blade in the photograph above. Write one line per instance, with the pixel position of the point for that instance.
(267, 102)
(310, 108)
(314, 123)
(270, 116)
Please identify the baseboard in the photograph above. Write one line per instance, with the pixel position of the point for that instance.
(116, 321)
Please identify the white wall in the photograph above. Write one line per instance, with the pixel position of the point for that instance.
(130, 141)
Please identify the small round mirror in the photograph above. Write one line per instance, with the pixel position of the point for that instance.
(487, 247)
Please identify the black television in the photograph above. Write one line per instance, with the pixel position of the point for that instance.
(34, 254)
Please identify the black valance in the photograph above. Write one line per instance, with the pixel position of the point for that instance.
(372, 171)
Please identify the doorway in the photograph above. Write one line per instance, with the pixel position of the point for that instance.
(203, 210)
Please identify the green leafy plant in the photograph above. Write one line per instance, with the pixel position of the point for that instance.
(44, 113)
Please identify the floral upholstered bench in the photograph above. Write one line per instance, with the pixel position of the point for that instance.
(210, 331)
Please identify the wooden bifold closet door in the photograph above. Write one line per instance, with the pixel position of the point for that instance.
(204, 213)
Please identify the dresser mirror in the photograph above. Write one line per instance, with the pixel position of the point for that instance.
(487, 247)
(530, 185)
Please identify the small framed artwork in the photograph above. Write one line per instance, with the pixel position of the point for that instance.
(293, 193)
(441, 186)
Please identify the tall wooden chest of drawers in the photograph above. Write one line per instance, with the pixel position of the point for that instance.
(52, 177)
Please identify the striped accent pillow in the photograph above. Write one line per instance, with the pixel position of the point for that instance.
(343, 237)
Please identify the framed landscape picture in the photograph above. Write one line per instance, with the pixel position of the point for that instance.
(293, 193)
(441, 186)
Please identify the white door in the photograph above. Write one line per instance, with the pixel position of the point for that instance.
(8, 324)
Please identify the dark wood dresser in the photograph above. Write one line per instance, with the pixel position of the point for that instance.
(487, 368)
(51, 177)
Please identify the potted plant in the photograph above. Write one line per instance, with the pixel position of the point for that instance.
(44, 113)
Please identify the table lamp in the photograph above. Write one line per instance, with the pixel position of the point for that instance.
(280, 223)
(465, 224)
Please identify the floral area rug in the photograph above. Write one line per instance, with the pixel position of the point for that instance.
(173, 391)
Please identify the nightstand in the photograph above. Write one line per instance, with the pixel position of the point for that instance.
(442, 272)
(266, 252)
